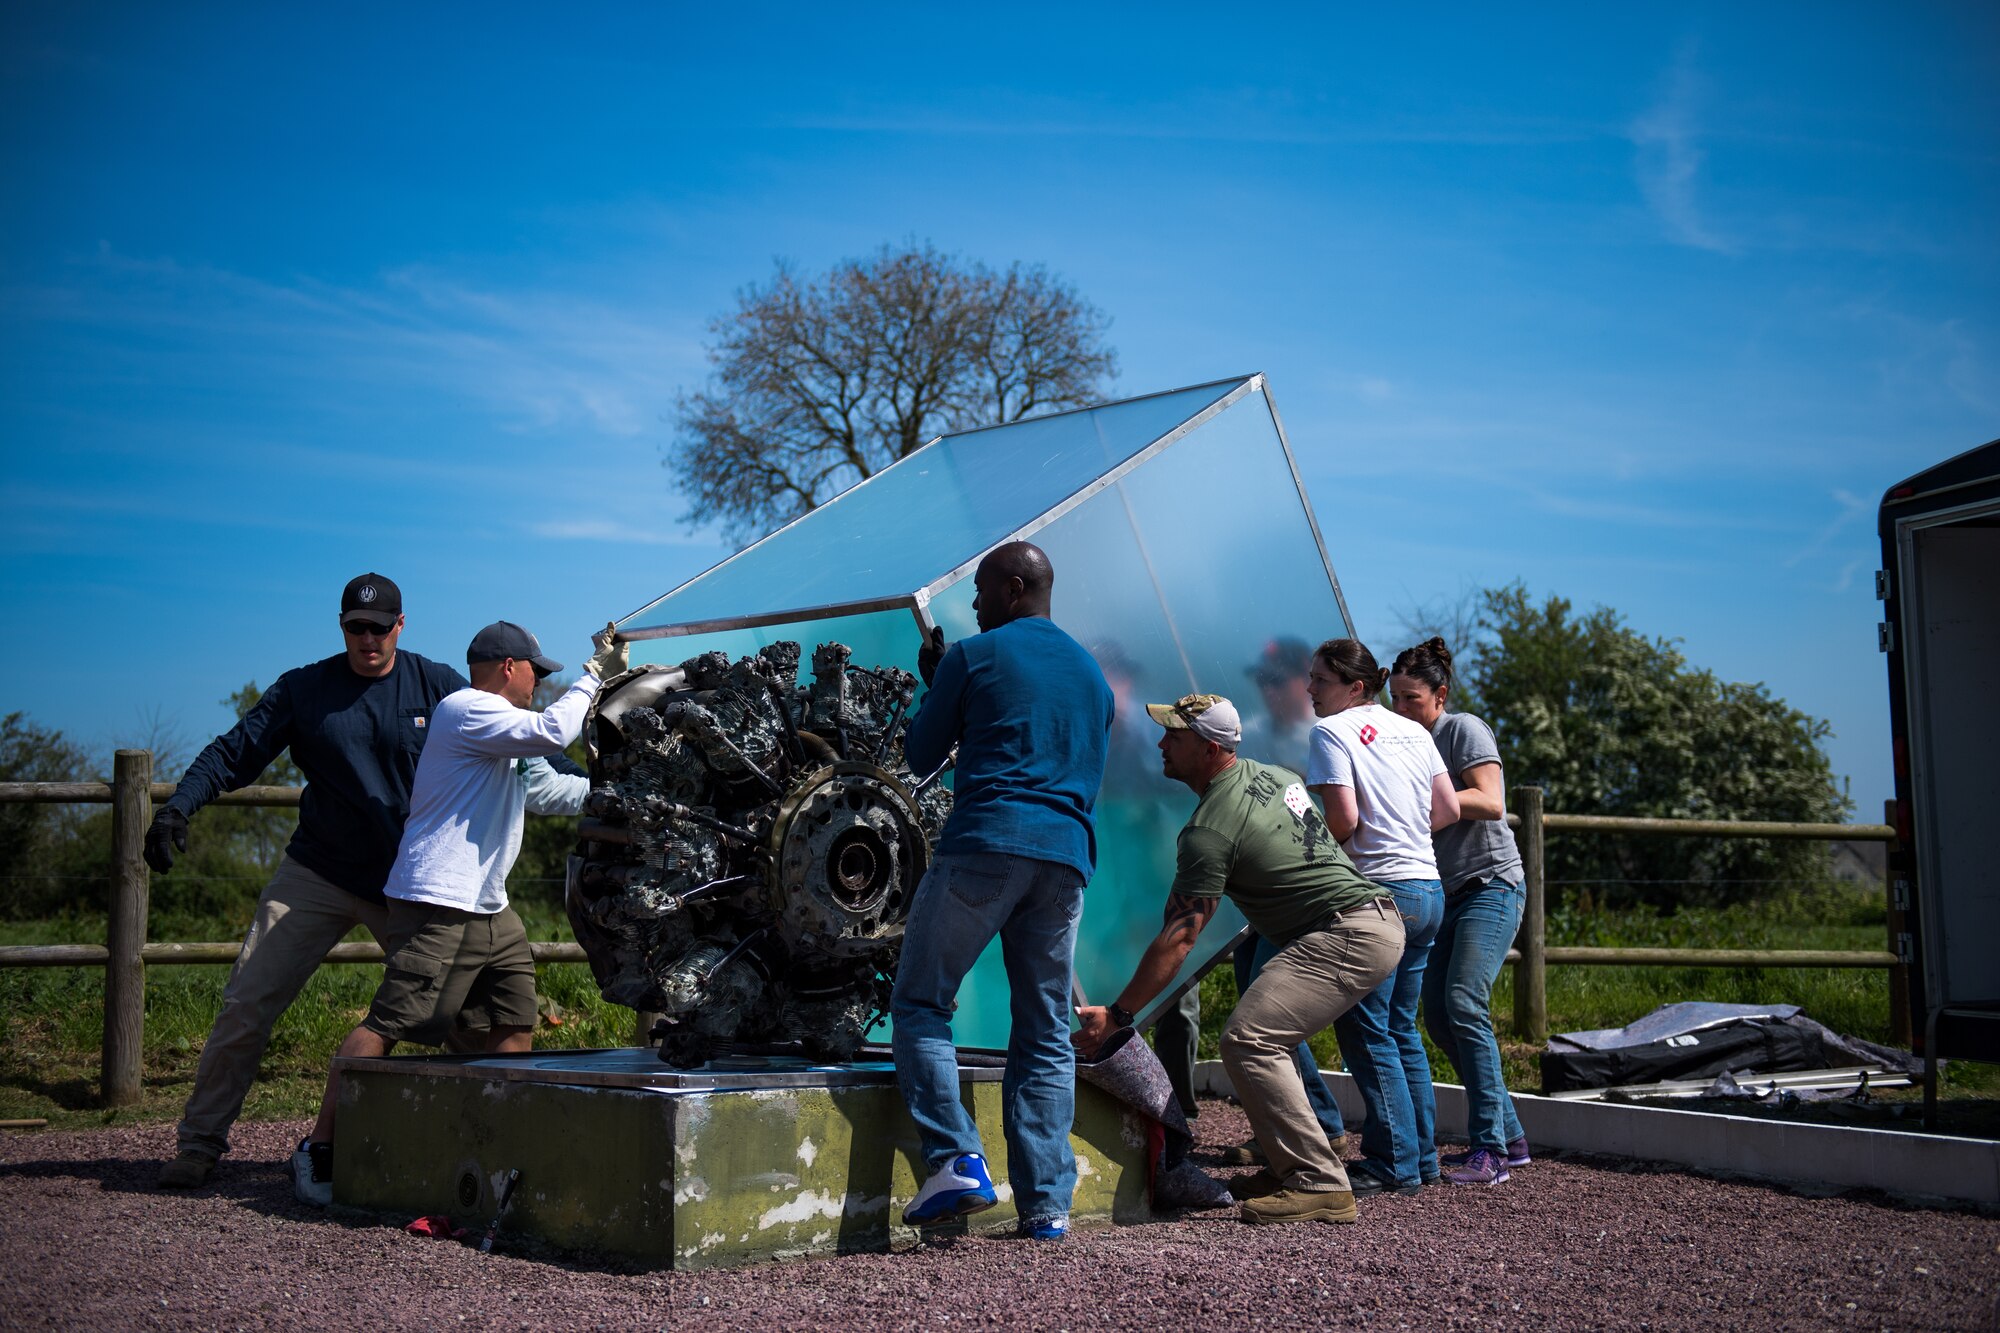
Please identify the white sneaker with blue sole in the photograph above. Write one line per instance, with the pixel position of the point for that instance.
(954, 1190)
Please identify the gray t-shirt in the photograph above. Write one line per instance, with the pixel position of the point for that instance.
(1471, 851)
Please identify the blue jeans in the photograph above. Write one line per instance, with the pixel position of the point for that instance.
(1385, 1053)
(1249, 960)
(962, 902)
(1471, 949)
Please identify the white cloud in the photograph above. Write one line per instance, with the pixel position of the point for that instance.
(1849, 508)
(540, 360)
(1669, 160)
(669, 533)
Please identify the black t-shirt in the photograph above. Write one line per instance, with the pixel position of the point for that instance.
(356, 739)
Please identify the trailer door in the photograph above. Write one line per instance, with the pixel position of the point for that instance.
(1950, 590)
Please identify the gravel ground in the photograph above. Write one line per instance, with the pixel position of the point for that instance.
(1574, 1243)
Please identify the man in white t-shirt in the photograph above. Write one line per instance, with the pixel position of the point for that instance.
(455, 946)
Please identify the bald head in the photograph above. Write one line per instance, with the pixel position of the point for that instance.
(1014, 581)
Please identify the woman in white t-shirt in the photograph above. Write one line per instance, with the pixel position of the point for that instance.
(1385, 791)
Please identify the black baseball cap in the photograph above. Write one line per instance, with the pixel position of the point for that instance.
(372, 598)
(1283, 659)
(503, 639)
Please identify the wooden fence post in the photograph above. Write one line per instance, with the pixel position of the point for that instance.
(125, 972)
(1531, 978)
(1895, 915)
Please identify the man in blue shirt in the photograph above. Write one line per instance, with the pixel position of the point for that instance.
(355, 724)
(1030, 713)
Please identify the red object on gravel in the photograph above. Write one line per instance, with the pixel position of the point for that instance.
(1565, 1244)
(436, 1225)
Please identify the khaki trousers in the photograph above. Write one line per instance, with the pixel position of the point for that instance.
(1312, 981)
(299, 917)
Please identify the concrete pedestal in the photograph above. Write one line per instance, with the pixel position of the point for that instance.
(621, 1155)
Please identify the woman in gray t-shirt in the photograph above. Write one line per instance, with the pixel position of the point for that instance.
(1481, 870)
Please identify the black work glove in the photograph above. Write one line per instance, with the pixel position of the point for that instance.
(931, 654)
(168, 834)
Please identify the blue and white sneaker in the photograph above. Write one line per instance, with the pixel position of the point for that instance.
(1047, 1228)
(952, 1191)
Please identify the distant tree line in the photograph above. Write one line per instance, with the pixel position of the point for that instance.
(1610, 722)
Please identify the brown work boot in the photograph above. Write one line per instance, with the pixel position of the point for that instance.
(1301, 1206)
(1255, 1185)
(188, 1170)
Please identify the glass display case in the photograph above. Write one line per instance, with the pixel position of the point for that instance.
(1186, 556)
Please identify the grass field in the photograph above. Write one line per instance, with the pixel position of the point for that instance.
(54, 1016)
(49, 1063)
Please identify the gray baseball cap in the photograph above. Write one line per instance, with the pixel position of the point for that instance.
(503, 639)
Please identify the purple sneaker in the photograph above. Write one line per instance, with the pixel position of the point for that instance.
(1517, 1155)
(1481, 1168)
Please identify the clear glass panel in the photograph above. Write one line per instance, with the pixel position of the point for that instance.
(879, 638)
(1226, 536)
(930, 513)
(1178, 578)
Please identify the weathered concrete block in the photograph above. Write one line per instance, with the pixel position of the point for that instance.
(621, 1156)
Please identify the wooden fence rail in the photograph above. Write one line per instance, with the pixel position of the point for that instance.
(125, 954)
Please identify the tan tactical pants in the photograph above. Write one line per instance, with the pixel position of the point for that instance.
(1312, 981)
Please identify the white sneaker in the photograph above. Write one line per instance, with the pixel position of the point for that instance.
(954, 1190)
(312, 1173)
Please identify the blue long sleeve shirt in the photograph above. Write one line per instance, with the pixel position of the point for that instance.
(1031, 715)
(356, 739)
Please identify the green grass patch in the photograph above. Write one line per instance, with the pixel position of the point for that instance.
(50, 1060)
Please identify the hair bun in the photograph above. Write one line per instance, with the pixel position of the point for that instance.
(1435, 647)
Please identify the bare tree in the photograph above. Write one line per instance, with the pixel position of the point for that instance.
(820, 384)
(1454, 617)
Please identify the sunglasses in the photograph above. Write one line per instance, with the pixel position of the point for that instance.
(357, 628)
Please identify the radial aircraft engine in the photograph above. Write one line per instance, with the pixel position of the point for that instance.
(749, 849)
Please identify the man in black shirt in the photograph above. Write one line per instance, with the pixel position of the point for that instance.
(355, 724)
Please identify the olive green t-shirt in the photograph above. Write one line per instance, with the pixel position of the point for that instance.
(1259, 838)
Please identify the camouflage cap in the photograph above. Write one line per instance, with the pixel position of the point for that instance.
(1209, 716)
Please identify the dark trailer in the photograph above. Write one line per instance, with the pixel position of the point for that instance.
(1940, 582)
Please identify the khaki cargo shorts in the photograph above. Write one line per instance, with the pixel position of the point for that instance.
(449, 967)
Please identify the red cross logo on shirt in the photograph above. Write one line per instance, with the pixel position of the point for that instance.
(1367, 734)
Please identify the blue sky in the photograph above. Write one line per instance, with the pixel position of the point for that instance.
(1644, 309)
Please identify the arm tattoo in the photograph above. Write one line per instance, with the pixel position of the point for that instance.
(1188, 912)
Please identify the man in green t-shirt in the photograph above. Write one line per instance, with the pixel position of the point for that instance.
(1258, 837)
